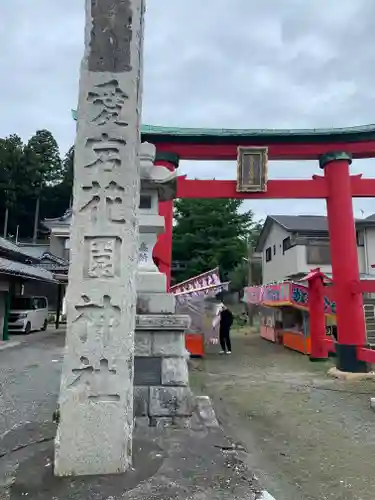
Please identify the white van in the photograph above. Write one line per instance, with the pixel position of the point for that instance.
(28, 314)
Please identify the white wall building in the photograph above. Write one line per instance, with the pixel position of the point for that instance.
(293, 245)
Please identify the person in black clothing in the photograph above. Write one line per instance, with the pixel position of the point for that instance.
(226, 321)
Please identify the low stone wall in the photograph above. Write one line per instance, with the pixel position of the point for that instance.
(161, 377)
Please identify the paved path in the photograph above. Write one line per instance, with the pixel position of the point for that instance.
(30, 378)
(308, 437)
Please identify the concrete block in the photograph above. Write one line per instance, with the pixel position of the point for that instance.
(143, 344)
(151, 223)
(169, 344)
(165, 422)
(166, 322)
(206, 412)
(151, 282)
(175, 371)
(161, 422)
(141, 401)
(141, 422)
(170, 402)
(156, 303)
(147, 371)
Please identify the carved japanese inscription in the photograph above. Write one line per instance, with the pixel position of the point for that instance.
(108, 201)
(107, 151)
(108, 99)
(143, 253)
(111, 36)
(95, 380)
(98, 319)
(95, 431)
(102, 257)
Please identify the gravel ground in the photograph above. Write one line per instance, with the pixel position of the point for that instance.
(30, 379)
(308, 437)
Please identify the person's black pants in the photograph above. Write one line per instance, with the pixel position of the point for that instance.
(225, 339)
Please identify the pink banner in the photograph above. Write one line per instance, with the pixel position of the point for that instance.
(207, 279)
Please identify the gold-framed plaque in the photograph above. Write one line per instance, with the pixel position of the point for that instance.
(252, 165)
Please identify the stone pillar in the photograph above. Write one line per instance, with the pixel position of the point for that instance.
(161, 378)
(96, 400)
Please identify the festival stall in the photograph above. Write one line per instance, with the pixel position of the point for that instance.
(284, 313)
(197, 298)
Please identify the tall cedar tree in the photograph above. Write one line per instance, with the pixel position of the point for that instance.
(58, 198)
(210, 233)
(11, 176)
(45, 167)
(19, 178)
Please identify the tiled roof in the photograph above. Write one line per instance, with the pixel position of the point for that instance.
(313, 223)
(64, 220)
(302, 222)
(35, 251)
(19, 269)
(307, 225)
(11, 247)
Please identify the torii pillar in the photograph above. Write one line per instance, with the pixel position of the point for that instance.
(351, 327)
(319, 349)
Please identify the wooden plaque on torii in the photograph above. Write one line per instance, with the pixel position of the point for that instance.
(252, 166)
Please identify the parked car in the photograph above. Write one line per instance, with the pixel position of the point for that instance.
(28, 314)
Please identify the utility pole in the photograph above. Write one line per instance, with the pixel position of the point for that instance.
(250, 251)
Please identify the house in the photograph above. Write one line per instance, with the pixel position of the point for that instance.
(55, 265)
(59, 234)
(18, 270)
(292, 245)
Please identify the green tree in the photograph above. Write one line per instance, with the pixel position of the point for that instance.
(210, 233)
(58, 198)
(45, 167)
(68, 174)
(11, 175)
(242, 276)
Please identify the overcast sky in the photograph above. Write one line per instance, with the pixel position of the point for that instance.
(208, 63)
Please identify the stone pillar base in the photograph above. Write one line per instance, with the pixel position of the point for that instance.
(161, 376)
(347, 360)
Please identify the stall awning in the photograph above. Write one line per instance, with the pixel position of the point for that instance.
(26, 271)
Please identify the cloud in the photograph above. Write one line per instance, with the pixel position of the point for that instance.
(241, 64)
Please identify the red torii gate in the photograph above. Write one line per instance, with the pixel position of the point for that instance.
(334, 149)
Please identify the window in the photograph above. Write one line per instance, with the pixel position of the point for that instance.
(40, 303)
(360, 236)
(268, 254)
(145, 202)
(19, 303)
(274, 249)
(318, 255)
(287, 243)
